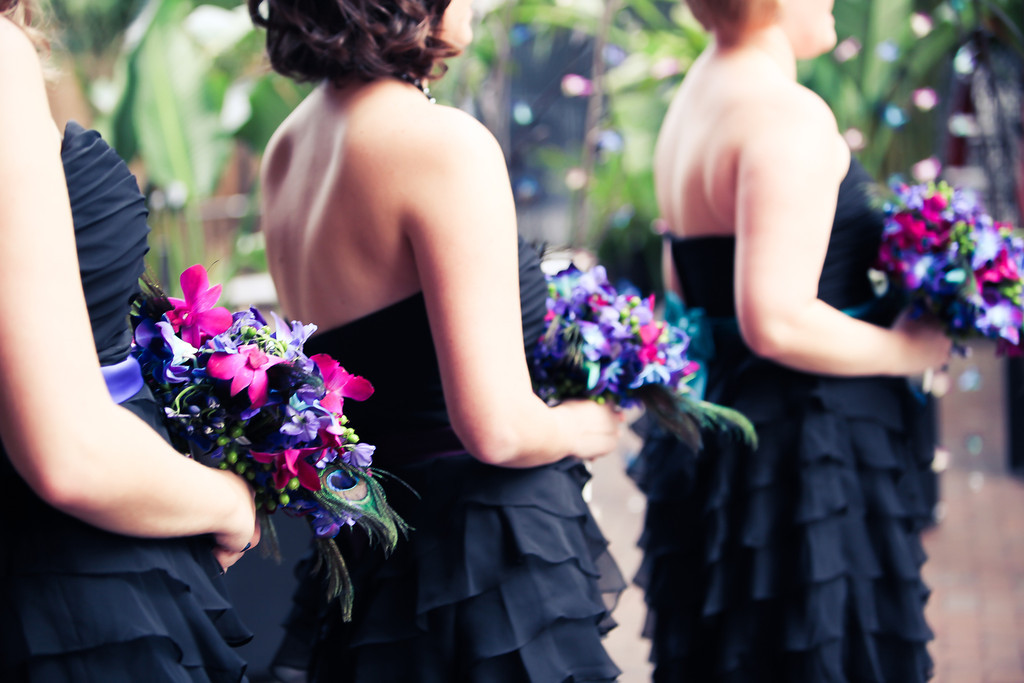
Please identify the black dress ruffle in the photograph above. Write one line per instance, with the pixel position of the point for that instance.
(78, 603)
(505, 576)
(800, 560)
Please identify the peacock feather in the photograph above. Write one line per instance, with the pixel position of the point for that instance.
(355, 493)
(686, 416)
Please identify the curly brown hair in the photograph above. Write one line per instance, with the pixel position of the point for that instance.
(730, 17)
(334, 40)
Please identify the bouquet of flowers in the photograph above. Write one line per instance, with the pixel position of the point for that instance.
(607, 346)
(241, 397)
(955, 262)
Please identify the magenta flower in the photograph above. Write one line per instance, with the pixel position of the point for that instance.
(649, 335)
(933, 207)
(195, 316)
(247, 368)
(1001, 269)
(340, 384)
(290, 463)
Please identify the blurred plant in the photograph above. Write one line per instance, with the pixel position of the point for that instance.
(575, 91)
(888, 79)
(611, 68)
(180, 87)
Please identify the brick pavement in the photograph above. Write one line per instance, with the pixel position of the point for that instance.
(975, 570)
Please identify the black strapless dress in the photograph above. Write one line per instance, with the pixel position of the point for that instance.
(798, 562)
(78, 603)
(505, 576)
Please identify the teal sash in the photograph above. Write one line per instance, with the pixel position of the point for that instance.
(701, 328)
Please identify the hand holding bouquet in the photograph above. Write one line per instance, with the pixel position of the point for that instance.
(242, 397)
(955, 262)
(607, 346)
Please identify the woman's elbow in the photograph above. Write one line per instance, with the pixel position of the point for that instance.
(65, 483)
(496, 444)
(768, 337)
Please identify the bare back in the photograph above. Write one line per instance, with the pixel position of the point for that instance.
(726, 102)
(332, 204)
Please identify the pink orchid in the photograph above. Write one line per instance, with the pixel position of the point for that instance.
(340, 384)
(933, 208)
(913, 230)
(289, 463)
(195, 316)
(247, 368)
(1002, 269)
(649, 335)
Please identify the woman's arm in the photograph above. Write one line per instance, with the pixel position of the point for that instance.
(461, 222)
(791, 163)
(77, 449)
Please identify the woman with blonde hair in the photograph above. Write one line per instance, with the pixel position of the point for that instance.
(800, 560)
(112, 544)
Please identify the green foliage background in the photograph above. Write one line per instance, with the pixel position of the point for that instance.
(181, 88)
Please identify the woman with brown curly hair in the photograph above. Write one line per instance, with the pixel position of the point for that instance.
(390, 224)
(798, 561)
(112, 544)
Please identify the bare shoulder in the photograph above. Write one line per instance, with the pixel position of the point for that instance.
(403, 128)
(791, 127)
(16, 50)
(789, 111)
(25, 118)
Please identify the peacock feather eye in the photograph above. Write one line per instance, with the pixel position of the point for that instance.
(341, 481)
(346, 486)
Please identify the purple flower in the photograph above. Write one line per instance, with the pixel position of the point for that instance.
(1004, 318)
(294, 335)
(595, 344)
(986, 248)
(360, 455)
(304, 421)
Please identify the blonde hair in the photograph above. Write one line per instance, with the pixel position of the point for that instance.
(729, 18)
(20, 12)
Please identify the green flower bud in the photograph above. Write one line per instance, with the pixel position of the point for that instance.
(284, 499)
(293, 483)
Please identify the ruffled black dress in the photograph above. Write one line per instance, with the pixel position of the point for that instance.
(505, 576)
(77, 603)
(799, 561)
